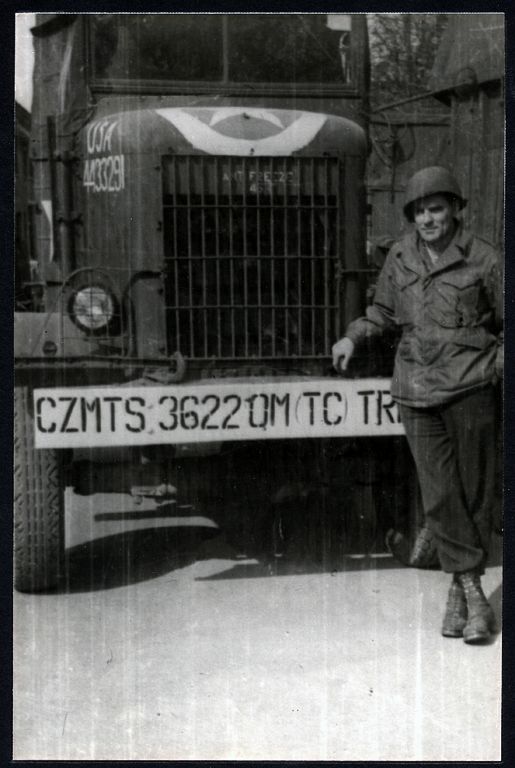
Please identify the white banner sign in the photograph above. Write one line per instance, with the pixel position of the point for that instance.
(208, 411)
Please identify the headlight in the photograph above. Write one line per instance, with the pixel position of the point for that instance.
(92, 308)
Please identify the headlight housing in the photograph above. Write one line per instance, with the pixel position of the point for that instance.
(93, 309)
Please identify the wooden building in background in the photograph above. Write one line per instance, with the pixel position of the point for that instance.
(468, 77)
(460, 125)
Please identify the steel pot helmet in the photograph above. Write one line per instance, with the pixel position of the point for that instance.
(431, 181)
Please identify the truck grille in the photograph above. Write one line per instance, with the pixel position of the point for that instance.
(251, 247)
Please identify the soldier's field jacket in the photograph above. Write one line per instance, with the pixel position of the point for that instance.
(450, 313)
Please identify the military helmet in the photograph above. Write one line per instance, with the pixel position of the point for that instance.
(431, 181)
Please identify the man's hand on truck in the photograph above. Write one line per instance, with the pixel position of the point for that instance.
(342, 353)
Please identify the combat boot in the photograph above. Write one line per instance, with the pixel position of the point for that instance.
(424, 553)
(455, 616)
(480, 620)
(421, 554)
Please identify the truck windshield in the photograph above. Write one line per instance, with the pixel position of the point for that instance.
(288, 48)
(155, 47)
(263, 48)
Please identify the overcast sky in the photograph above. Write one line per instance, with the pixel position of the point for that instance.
(24, 59)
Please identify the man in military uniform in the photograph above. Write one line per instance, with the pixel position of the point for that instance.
(443, 287)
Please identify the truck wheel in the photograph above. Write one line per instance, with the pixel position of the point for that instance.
(38, 505)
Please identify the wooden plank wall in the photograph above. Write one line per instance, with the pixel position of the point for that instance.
(470, 142)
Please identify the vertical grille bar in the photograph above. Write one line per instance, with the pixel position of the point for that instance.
(203, 205)
(340, 176)
(273, 203)
(231, 269)
(312, 256)
(190, 254)
(175, 261)
(216, 254)
(298, 291)
(326, 309)
(245, 258)
(286, 250)
(259, 175)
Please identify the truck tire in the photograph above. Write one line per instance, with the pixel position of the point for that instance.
(38, 504)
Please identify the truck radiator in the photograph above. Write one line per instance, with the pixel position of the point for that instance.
(251, 248)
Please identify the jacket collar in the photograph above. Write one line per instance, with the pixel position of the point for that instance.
(456, 251)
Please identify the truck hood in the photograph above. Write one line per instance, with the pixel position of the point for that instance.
(239, 131)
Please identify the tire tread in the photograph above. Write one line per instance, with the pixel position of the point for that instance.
(38, 505)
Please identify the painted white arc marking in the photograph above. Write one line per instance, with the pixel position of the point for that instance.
(204, 138)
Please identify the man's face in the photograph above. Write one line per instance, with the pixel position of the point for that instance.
(434, 219)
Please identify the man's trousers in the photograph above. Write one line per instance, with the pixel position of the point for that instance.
(454, 448)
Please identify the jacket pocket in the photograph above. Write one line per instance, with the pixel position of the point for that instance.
(407, 296)
(475, 338)
(456, 300)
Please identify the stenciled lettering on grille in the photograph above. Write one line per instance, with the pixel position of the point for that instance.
(251, 246)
